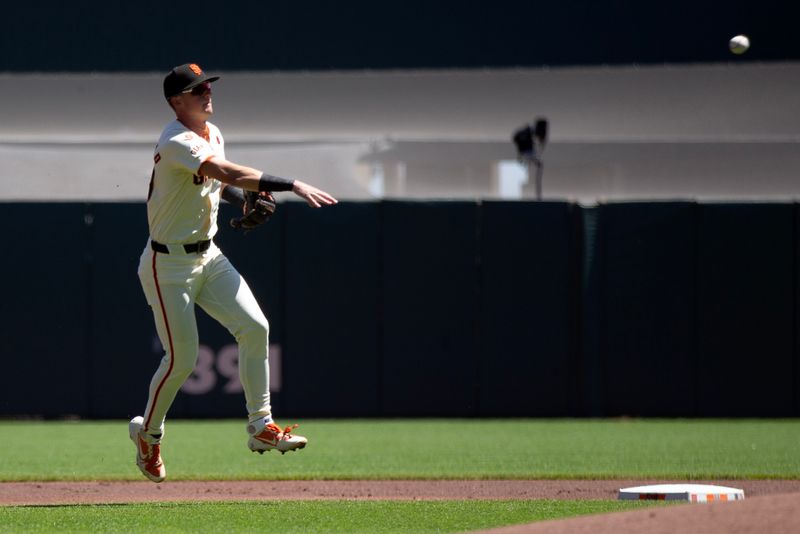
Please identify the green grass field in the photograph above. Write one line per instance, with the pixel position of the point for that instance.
(380, 449)
(383, 449)
(369, 517)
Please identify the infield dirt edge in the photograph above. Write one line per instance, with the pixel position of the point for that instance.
(102, 492)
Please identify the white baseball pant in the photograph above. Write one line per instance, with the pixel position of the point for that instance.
(173, 283)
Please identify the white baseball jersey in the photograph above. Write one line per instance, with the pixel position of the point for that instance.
(181, 205)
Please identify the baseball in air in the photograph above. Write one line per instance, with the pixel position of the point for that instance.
(739, 44)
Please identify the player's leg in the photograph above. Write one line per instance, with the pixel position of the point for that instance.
(176, 325)
(227, 298)
(167, 286)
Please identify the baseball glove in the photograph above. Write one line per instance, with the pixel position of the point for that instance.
(258, 208)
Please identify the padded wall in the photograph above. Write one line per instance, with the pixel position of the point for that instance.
(527, 321)
(45, 310)
(124, 350)
(426, 309)
(331, 363)
(428, 283)
(746, 273)
(649, 308)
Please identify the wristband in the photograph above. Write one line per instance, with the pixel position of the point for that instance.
(273, 183)
(234, 195)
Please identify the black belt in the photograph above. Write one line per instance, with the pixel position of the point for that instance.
(191, 248)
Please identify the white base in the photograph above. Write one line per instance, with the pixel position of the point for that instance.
(681, 492)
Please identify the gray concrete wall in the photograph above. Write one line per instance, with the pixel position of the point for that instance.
(712, 131)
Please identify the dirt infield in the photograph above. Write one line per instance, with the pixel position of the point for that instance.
(22, 493)
(770, 505)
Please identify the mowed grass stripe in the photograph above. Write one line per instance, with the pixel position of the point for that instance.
(428, 449)
(297, 516)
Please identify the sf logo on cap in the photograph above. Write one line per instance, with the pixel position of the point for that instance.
(197, 70)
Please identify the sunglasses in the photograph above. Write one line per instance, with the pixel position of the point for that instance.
(199, 90)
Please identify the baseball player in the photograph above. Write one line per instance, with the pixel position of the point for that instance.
(181, 266)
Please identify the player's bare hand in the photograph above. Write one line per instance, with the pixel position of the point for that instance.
(316, 198)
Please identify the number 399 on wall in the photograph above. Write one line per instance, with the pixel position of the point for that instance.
(223, 366)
